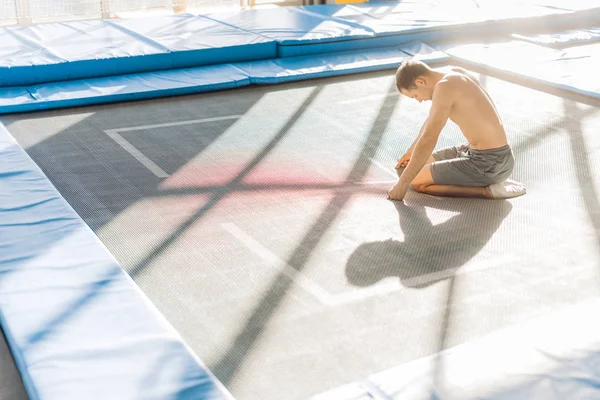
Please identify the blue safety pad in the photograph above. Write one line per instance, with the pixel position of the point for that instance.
(399, 17)
(77, 324)
(385, 18)
(292, 27)
(15, 99)
(211, 78)
(341, 63)
(320, 66)
(135, 87)
(197, 40)
(574, 69)
(55, 52)
(393, 23)
(357, 17)
(562, 39)
(420, 51)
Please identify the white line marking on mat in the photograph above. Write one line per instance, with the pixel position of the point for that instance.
(128, 147)
(277, 263)
(322, 295)
(179, 123)
(451, 272)
(145, 161)
(375, 290)
(387, 182)
(383, 168)
(366, 98)
(383, 288)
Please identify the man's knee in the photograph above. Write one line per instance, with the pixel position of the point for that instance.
(422, 180)
(419, 186)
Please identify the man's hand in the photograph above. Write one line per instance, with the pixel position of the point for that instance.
(398, 191)
(403, 161)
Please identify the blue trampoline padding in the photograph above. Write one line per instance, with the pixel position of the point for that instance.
(320, 66)
(420, 51)
(397, 17)
(326, 65)
(392, 23)
(211, 78)
(14, 99)
(75, 50)
(292, 26)
(197, 41)
(134, 87)
(391, 17)
(562, 39)
(573, 69)
(76, 323)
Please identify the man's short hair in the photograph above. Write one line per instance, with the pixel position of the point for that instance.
(408, 72)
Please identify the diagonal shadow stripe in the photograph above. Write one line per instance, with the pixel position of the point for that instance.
(91, 293)
(551, 128)
(583, 170)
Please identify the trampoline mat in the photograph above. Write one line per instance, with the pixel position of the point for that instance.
(11, 386)
(256, 221)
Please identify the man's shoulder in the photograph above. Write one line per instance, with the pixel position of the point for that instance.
(448, 84)
(454, 78)
(452, 83)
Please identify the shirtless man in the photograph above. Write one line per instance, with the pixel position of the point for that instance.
(479, 169)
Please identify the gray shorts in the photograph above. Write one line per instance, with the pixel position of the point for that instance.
(463, 166)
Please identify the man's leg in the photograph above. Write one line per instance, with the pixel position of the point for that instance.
(424, 183)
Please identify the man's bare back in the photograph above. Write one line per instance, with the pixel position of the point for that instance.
(479, 169)
(474, 112)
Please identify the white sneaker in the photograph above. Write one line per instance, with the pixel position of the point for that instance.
(507, 189)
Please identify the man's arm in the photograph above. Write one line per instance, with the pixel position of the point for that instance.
(412, 146)
(442, 101)
(402, 161)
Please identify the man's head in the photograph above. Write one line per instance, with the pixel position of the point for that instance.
(416, 80)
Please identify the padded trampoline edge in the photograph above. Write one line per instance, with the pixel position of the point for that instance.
(500, 73)
(203, 382)
(272, 74)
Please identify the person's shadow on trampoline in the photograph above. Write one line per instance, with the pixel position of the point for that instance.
(429, 253)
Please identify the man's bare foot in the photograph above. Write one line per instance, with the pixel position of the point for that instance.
(505, 190)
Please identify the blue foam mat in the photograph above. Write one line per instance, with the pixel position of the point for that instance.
(562, 39)
(54, 52)
(327, 65)
(15, 100)
(292, 25)
(574, 69)
(196, 40)
(135, 87)
(76, 323)
(210, 78)
(393, 23)
(88, 49)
